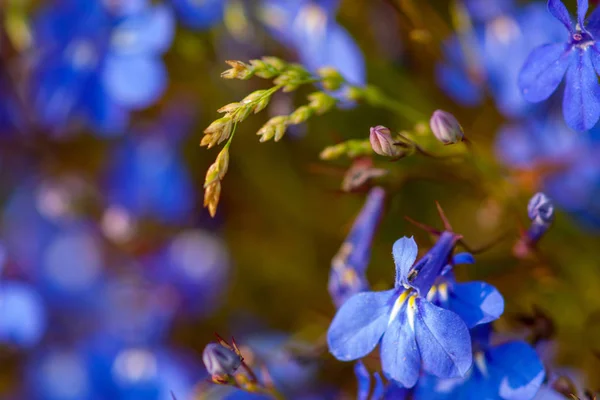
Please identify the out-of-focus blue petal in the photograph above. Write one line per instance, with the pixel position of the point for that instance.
(475, 302)
(200, 15)
(105, 115)
(560, 12)
(149, 32)
(581, 101)
(485, 10)
(443, 339)
(336, 48)
(544, 70)
(134, 81)
(60, 374)
(400, 359)
(405, 252)
(379, 387)
(22, 314)
(363, 229)
(593, 22)
(463, 258)
(519, 367)
(359, 324)
(364, 381)
(582, 8)
(458, 85)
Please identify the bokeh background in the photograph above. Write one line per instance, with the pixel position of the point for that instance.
(114, 277)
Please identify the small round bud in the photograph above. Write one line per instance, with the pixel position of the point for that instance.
(445, 127)
(219, 360)
(540, 209)
(382, 142)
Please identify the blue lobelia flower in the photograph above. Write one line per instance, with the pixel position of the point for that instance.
(23, 315)
(347, 276)
(486, 10)
(97, 61)
(310, 28)
(578, 57)
(413, 332)
(490, 57)
(147, 177)
(508, 371)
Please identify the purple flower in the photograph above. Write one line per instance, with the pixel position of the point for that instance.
(578, 58)
(220, 361)
(445, 127)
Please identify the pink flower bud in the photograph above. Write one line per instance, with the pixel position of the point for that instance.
(445, 127)
(382, 142)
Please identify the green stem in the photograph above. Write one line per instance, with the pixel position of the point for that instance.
(377, 98)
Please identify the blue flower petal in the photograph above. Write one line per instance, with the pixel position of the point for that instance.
(463, 258)
(433, 264)
(147, 32)
(364, 381)
(520, 369)
(134, 81)
(363, 229)
(395, 392)
(476, 302)
(457, 84)
(400, 359)
(359, 324)
(379, 388)
(593, 23)
(108, 118)
(543, 71)
(547, 393)
(582, 8)
(443, 339)
(581, 101)
(560, 12)
(405, 252)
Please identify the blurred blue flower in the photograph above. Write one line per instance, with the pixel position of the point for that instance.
(578, 57)
(565, 163)
(309, 27)
(43, 231)
(508, 371)
(413, 332)
(491, 56)
(99, 60)
(196, 265)
(348, 267)
(59, 374)
(148, 178)
(23, 318)
(200, 14)
(486, 10)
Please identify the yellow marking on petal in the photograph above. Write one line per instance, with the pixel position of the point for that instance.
(398, 305)
(479, 359)
(349, 277)
(312, 19)
(410, 311)
(431, 293)
(443, 289)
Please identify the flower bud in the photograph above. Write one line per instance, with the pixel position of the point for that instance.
(445, 127)
(382, 142)
(540, 209)
(219, 360)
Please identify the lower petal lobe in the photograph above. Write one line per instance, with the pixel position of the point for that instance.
(359, 324)
(400, 357)
(581, 101)
(544, 70)
(443, 339)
